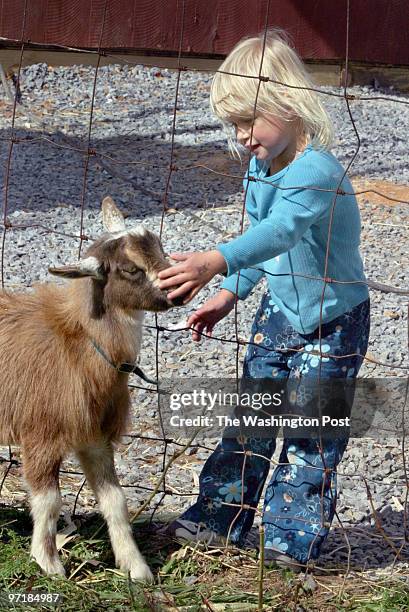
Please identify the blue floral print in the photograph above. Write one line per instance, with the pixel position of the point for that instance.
(314, 359)
(300, 499)
(232, 491)
(295, 455)
(276, 544)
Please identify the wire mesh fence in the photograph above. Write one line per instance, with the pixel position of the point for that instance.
(151, 460)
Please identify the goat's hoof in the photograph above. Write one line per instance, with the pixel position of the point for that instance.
(141, 572)
(51, 566)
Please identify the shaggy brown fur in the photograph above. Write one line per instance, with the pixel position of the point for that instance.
(58, 394)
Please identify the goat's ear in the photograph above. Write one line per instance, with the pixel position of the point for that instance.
(112, 218)
(90, 266)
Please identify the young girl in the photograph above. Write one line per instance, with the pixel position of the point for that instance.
(296, 239)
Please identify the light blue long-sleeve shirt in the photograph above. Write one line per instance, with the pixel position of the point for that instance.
(288, 237)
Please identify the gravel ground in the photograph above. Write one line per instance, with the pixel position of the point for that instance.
(131, 129)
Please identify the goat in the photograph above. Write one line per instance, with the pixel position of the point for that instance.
(59, 393)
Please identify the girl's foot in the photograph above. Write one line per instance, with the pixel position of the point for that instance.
(194, 532)
(274, 557)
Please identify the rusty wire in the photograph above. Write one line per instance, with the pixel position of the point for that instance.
(91, 154)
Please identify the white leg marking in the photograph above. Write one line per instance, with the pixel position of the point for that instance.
(98, 466)
(45, 508)
(113, 507)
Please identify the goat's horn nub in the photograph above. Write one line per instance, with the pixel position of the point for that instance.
(112, 218)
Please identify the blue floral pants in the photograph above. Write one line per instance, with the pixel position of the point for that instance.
(300, 499)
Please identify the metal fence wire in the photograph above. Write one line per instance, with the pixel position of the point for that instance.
(172, 447)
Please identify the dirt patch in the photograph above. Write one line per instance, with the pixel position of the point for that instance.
(380, 192)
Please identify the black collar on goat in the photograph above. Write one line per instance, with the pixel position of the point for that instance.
(126, 368)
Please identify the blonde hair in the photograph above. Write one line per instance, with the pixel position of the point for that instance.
(233, 96)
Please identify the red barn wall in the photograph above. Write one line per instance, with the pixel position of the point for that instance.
(378, 29)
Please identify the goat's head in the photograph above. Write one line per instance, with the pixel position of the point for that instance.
(124, 266)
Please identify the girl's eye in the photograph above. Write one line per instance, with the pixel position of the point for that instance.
(246, 123)
(244, 126)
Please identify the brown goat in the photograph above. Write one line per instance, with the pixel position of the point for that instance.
(59, 394)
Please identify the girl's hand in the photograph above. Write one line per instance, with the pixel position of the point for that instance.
(195, 271)
(212, 311)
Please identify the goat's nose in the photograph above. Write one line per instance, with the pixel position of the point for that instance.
(177, 301)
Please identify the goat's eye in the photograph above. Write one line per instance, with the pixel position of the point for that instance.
(131, 271)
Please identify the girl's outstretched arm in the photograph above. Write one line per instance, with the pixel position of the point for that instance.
(193, 272)
(203, 320)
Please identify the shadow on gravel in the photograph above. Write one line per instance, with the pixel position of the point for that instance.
(371, 547)
(48, 170)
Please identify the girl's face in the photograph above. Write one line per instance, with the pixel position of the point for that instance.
(272, 140)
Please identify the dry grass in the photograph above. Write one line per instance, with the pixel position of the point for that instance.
(188, 578)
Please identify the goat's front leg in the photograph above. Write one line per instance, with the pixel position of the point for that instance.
(98, 465)
(41, 466)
